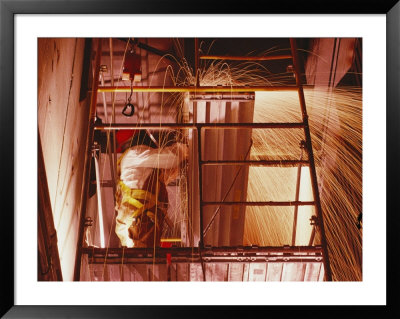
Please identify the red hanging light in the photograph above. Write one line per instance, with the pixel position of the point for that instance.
(132, 67)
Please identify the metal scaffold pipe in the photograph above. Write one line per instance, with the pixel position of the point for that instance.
(201, 89)
(297, 253)
(99, 203)
(293, 203)
(313, 174)
(245, 58)
(210, 126)
(286, 163)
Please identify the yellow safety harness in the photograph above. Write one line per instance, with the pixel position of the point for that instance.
(133, 197)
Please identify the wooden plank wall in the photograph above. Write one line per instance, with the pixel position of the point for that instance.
(62, 122)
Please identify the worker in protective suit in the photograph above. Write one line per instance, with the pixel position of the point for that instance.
(141, 194)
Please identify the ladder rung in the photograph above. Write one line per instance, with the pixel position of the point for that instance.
(293, 203)
(163, 126)
(245, 58)
(227, 97)
(201, 89)
(286, 163)
(250, 125)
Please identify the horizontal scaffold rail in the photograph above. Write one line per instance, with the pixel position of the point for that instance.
(246, 58)
(287, 163)
(200, 89)
(270, 203)
(163, 126)
(240, 254)
(226, 96)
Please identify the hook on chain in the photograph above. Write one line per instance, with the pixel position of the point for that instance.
(129, 108)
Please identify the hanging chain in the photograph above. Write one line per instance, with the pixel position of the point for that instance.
(129, 108)
(130, 96)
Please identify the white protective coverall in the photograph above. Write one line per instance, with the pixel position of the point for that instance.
(136, 165)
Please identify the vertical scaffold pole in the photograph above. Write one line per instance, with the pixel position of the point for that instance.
(88, 157)
(313, 174)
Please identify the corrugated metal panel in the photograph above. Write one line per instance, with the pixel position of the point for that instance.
(239, 271)
(216, 271)
(224, 183)
(196, 272)
(182, 272)
(235, 272)
(293, 271)
(245, 275)
(321, 273)
(257, 271)
(312, 271)
(274, 272)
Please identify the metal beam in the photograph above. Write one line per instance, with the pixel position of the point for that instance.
(248, 254)
(313, 173)
(200, 177)
(286, 163)
(113, 157)
(221, 126)
(201, 89)
(246, 58)
(196, 258)
(111, 252)
(228, 97)
(99, 202)
(270, 203)
(239, 254)
(296, 208)
(196, 62)
(156, 51)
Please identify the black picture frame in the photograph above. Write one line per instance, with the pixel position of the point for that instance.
(8, 10)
